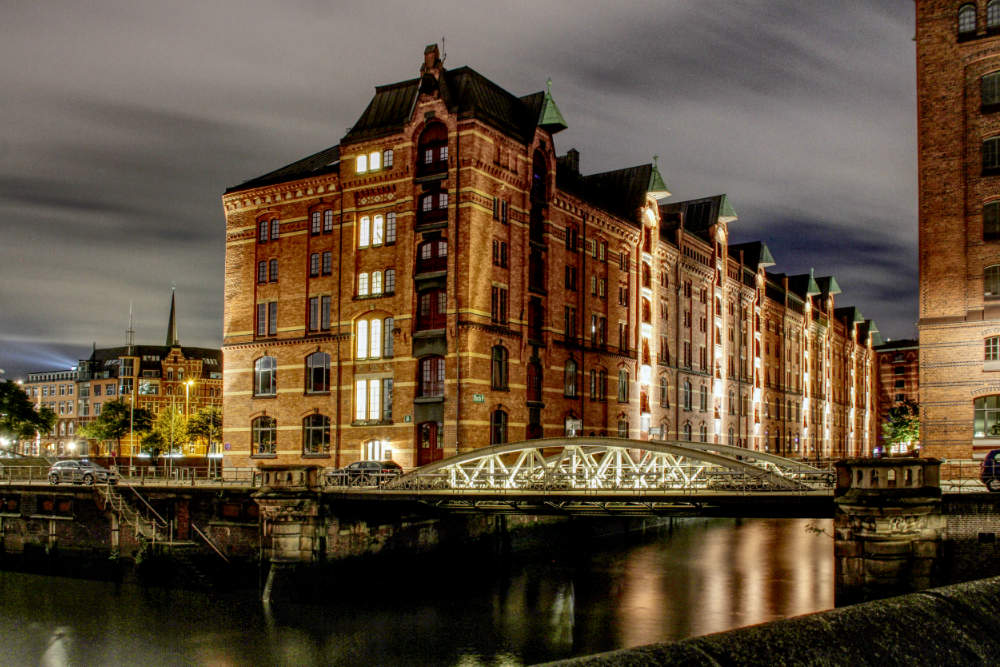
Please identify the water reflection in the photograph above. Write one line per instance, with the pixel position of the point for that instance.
(581, 597)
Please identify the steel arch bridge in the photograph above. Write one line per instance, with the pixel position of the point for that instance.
(591, 464)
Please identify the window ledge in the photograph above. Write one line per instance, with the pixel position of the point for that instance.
(426, 275)
(318, 393)
(371, 422)
(315, 456)
(991, 365)
(428, 399)
(265, 396)
(366, 297)
(263, 456)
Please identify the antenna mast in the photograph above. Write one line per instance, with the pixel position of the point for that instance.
(130, 332)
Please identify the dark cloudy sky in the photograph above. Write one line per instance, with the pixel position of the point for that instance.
(123, 122)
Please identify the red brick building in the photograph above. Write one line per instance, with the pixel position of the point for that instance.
(958, 122)
(55, 390)
(898, 377)
(442, 280)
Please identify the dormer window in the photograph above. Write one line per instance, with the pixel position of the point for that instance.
(373, 161)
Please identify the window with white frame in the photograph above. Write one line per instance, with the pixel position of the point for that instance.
(370, 342)
(373, 399)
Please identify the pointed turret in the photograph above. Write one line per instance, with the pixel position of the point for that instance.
(550, 119)
(657, 188)
(172, 340)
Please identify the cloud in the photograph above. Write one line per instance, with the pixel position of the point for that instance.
(125, 121)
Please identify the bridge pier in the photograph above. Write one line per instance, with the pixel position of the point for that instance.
(888, 527)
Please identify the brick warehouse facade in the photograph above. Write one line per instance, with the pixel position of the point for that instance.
(441, 280)
(958, 99)
(898, 363)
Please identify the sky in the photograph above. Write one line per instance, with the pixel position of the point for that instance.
(124, 121)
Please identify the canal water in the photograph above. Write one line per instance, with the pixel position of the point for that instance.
(693, 577)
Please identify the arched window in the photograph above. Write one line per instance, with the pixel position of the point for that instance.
(265, 376)
(647, 280)
(664, 394)
(991, 156)
(623, 386)
(992, 351)
(703, 433)
(431, 379)
(316, 435)
(732, 437)
(539, 177)
(687, 396)
(318, 372)
(498, 427)
(991, 281)
(570, 378)
(534, 380)
(687, 432)
(499, 372)
(991, 221)
(622, 427)
(264, 433)
(368, 338)
(990, 91)
(432, 150)
(993, 15)
(647, 311)
(703, 398)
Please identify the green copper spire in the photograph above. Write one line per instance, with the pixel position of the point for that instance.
(657, 187)
(172, 340)
(812, 288)
(550, 119)
(726, 211)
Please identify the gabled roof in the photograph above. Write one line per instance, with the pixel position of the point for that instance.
(755, 254)
(849, 314)
(698, 214)
(621, 192)
(803, 285)
(102, 357)
(325, 162)
(465, 92)
(828, 285)
(868, 328)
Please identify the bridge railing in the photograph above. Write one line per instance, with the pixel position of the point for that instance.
(343, 479)
(147, 475)
(697, 479)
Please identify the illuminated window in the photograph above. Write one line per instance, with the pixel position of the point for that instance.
(362, 284)
(369, 339)
(362, 164)
(364, 232)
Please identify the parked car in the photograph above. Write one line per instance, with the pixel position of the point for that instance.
(364, 473)
(81, 471)
(989, 470)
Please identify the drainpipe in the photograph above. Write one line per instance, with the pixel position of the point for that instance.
(340, 371)
(455, 254)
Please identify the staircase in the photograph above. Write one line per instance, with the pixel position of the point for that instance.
(153, 529)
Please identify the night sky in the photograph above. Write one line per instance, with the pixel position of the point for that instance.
(123, 122)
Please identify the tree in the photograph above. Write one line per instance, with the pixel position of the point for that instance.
(117, 419)
(18, 417)
(171, 426)
(902, 424)
(206, 425)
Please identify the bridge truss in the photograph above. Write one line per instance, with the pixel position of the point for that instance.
(588, 465)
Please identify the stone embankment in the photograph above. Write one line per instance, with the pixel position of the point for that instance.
(953, 625)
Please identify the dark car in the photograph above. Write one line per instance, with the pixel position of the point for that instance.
(365, 473)
(81, 472)
(989, 470)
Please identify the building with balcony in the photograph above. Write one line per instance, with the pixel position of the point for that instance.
(442, 280)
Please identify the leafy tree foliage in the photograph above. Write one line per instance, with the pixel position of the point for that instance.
(117, 418)
(206, 425)
(903, 423)
(172, 427)
(18, 418)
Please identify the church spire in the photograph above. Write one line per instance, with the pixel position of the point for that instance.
(172, 340)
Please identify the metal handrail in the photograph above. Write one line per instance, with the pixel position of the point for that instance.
(209, 541)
